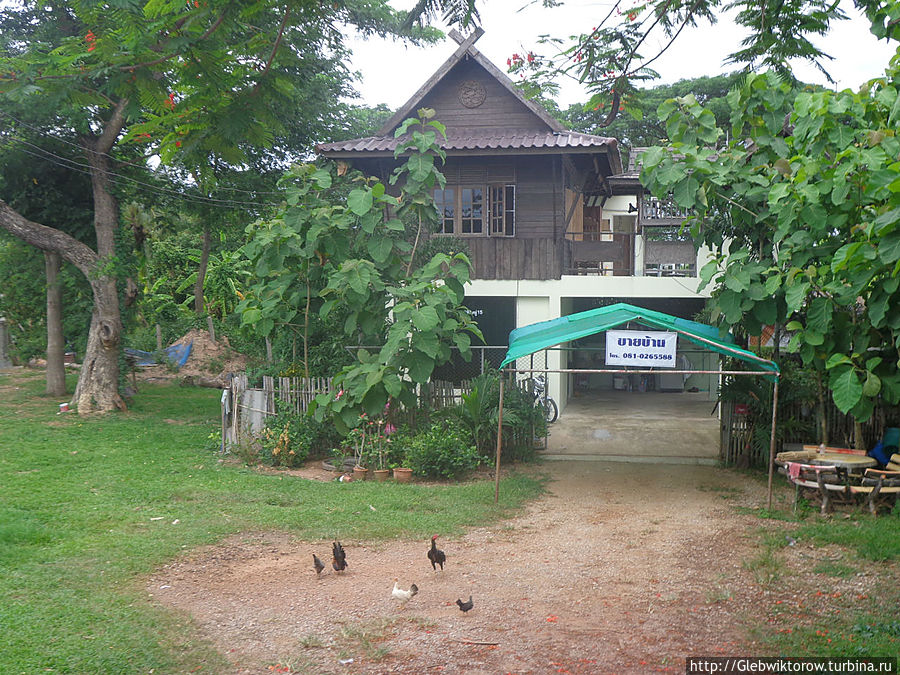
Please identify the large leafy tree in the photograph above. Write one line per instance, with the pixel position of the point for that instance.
(344, 242)
(802, 208)
(642, 127)
(207, 85)
(616, 49)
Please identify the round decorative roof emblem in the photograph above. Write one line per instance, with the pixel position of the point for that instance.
(471, 93)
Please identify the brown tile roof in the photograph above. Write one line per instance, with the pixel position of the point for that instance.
(561, 140)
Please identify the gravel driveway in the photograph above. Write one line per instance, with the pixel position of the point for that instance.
(621, 568)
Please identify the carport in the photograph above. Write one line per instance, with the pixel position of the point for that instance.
(545, 335)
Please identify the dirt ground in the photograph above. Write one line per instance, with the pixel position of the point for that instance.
(208, 363)
(621, 568)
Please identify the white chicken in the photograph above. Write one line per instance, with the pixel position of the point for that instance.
(403, 596)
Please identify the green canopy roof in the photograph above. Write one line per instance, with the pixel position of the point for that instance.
(546, 334)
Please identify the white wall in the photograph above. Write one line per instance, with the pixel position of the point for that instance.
(544, 300)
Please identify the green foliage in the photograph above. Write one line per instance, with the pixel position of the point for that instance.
(288, 438)
(479, 410)
(219, 91)
(797, 390)
(615, 56)
(334, 248)
(647, 128)
(373, 442)
(23, 301)
(801, 210)
(37, 188)
(444, 450)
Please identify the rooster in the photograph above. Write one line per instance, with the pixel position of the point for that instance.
(338, 557)
(465, 606)
(317, 565)
(436, 555)
(403, 596)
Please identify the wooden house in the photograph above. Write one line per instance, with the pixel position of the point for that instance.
(553, 222)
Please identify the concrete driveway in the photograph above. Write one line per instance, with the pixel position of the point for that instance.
(671, 428)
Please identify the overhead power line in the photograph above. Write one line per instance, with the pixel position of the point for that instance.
(119, 178)
(143, 167)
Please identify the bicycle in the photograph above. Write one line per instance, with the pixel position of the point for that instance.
(537, 385)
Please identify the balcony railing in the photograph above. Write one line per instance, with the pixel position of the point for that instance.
(661, 211)
(601, 254)
(669, 259)
(514, 258)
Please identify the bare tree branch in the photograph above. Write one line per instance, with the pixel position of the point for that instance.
(48, 239)
(268, 65)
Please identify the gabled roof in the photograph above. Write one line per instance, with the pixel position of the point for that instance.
(547, 136)
(465, 49)
(546, 334)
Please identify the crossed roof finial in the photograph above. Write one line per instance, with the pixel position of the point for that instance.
(460, 39)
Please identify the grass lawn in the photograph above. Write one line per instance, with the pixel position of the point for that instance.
(89, 507)
(854, 624)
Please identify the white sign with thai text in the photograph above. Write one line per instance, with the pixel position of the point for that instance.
(636, 348)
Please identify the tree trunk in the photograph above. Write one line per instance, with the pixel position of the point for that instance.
(56, 369)
(859, 443)
(201, 272)
(823, 414)
(98, 383)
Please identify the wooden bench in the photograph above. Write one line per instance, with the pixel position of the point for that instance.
(824, 484)
(878, 487)
(828, 448)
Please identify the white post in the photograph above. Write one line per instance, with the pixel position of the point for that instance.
(4, 345)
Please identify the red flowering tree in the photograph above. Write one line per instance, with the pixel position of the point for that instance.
(203, 84)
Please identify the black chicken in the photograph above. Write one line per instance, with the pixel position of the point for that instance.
(317, 565)
(436, 555)
(465, 606)
(338, 557)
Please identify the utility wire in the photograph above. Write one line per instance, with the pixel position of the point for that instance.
(144, 167)
(81, 167)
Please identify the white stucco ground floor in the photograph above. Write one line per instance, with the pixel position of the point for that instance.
(501, 306)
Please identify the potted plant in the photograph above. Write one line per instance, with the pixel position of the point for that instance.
(402, 474)
(397, 456)
(378, 448)
(357, 440)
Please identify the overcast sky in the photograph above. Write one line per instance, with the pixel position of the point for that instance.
(391, 72)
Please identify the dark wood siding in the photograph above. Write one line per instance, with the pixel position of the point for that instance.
(536, 198)
(500, 111)
(533, 253)
(509, 258)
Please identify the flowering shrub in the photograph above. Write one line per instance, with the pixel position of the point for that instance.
(371, 441)
(289, 438)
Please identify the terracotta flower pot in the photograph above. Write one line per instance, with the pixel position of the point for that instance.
(360, 472)
(403, 475)
(382, 474)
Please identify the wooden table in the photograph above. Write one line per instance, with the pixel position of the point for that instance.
(853, 463)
